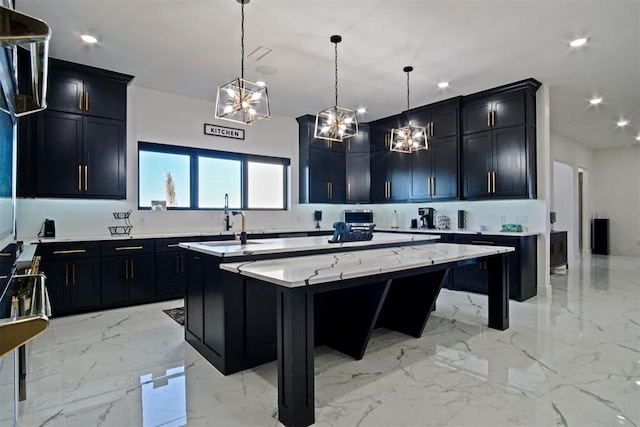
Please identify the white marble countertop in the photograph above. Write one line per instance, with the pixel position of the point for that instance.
(296, 244)
(456, 231)
(314, 269)
(229, 233)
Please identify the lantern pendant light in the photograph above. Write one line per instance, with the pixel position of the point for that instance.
(336, 123)
(411, 137)
(240, 100)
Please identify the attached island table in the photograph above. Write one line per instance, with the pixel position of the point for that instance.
(335, 299)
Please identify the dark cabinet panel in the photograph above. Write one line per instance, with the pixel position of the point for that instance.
(477, 155)
(390, 177)
(104, 153)
(494, 111)
(73, 284)
(58, 143)
(358, 177)
(194, 297)
(170, 274)
(326, 176)
(260, 315)
(360, 143)
(105, 98)
(558, 249)
(435, 171)
(600, 236)
(64, 92)
(127, 279)
(510, 162)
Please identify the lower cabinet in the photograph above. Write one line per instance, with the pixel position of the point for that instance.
(73, 276)
(558, 249)
(128, 274)
(523, 266)
(170, 275)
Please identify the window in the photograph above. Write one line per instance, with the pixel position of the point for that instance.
(265, 183)
(191, 178)
(217, 177)
(164, 176)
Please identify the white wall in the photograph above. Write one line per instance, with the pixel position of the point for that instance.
(616, 195)
(562, 205)
(576, 156)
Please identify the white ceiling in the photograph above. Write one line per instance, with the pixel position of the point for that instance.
(189, 47)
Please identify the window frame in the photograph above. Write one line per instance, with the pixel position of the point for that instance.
(194, 153)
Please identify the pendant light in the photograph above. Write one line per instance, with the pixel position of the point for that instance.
(411, 137)
(336, 123)
(240, 100)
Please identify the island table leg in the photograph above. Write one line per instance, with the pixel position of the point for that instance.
(296, 404)
(498, 270)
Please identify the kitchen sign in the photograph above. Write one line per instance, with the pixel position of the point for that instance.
(223, 131)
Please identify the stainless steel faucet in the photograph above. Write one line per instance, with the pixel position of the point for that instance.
(243, 234)
(227, 225)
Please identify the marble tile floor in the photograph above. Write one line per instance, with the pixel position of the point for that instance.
(570, 358)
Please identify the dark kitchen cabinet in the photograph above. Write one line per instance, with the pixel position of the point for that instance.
(357, 163)
(322, 166)
(80, 156)
(600, 236)
(499, 142)
(73, 276)
(77, 146)
(170, 268)
(523, 269)
(390, 177)
(440, 119)
(558, 249)
(128, 273)
(194, 297)
(434, 172)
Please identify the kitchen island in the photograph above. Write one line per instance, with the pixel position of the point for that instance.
(248, 310)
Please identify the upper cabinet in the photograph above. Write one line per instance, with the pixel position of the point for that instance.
(499, 142)
(77, 146)
(357, 163)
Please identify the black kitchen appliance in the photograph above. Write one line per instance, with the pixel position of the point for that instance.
(427, 217)
(359, 217)
(48, 228)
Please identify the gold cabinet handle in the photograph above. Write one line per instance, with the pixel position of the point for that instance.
(493, 118)
(387, 139)
(132, 268)
(70, 251)
(79, 177)
(349, 191)
(432, 125)
(433, 185)
(348, 144)
(86, 177)
(489, 182)
(129, 248)
(389, 189)
(86, 101)
(73, 274)
(66, 274)
(173, 245)
(126, 268)
(493, 175)
(489, 118)
(80, 100)
(331, 187)
(482, 242)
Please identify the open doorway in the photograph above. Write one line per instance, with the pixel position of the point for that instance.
(563, 204)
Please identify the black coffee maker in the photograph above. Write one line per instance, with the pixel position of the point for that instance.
(427, 217)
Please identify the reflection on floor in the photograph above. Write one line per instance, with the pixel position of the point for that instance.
(570, 358)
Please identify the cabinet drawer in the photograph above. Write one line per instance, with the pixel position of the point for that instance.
(125, 247)
(170, 244)
(69, 250)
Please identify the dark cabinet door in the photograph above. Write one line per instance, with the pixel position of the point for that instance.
(105, 98)
(104, 153)
(471, 278)
(59, 154)
(360, 143)
(358, 177)
(326, 176)
(509, 110)
(170, 275)
(115, 277)
(421, 173)
(141, 278)
(194, 295)
(476, 116)
(444, 123)
(444, 183)
(510, 162)
(57, 273)
(84, 284)
(399, 176)
(477, 152)
(379, 176)
(64, 92)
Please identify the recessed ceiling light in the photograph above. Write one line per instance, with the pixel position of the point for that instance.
(261, 83)
(88, 38)
(578, 42)
(442, 85)
(596, 101)
(623, 123)
(361, 110)
(638, 138)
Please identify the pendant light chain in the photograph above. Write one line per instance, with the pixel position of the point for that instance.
(336, 67)
(242, 40)
(407, 96)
